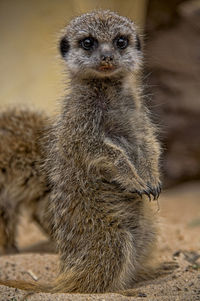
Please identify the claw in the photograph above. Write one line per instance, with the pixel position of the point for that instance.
(148, 193)
(158, 190)
(155, 191)
(139, 193)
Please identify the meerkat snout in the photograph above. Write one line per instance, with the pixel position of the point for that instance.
(107, 57)
(106, 62)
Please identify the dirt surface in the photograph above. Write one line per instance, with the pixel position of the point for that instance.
(178, 248)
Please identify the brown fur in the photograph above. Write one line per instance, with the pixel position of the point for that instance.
(101, 160)
(22, 183)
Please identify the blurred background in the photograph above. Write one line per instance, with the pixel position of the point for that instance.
(31, 70)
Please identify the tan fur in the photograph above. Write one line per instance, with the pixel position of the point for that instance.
(21, 180)
(101, 159)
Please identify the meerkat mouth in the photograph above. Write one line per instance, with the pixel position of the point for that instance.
(106, 67)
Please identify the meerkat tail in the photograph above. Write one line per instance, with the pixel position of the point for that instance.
(28, 286)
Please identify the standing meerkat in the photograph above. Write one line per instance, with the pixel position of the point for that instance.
(102, 161)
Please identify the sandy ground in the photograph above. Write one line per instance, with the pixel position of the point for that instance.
(178, 248)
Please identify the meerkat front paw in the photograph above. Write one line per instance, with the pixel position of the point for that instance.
(153, 184)
(140, 188)
(154, 190)
(147, 189)
(134, 185)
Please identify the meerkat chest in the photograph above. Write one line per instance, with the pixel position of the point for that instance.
(118, 124)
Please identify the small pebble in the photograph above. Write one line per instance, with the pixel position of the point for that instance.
(177, 253)
(178, 288)
(140, 294)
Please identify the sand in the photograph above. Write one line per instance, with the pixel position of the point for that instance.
(178, 249)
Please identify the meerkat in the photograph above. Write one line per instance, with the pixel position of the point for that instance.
(22, 183)
(102, 161)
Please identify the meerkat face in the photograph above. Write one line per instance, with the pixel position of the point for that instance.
(101, 44)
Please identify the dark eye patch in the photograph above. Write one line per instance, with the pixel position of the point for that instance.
(64, 46)
(121, 42)
(138, 43)
(88, 43)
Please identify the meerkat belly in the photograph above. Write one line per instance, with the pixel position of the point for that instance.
(99, 238)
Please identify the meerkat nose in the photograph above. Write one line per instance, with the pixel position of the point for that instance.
(107, 57)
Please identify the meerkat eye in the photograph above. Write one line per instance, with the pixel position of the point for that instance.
(88, 43)
(121, 42)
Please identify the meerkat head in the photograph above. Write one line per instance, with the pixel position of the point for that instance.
(101, 44)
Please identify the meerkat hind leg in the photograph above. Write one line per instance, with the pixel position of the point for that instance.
(8, 223)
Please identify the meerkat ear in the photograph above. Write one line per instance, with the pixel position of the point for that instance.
(64, 46)
(138, 43)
